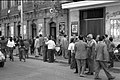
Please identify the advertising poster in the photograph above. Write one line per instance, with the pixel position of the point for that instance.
(12, 31)
(25, 30)
(74, 28)
(40, 29)
(61, 28)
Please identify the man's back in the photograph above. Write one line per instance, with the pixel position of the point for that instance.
(101, 52)
(80, 50)
(41, 40)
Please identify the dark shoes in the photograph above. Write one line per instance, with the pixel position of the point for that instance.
(88, 73)
(111, 78)
(97, 79)
(75, 72)
(101, 79)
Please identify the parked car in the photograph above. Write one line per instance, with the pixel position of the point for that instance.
(2, 59)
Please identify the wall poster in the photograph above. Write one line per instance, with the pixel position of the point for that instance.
(40, 29)
(74, 28)
(61, 28)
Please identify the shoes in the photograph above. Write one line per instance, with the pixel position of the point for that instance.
(82, 75)
(111, 78)
(88, 73)
(75, 72)
(97, 79)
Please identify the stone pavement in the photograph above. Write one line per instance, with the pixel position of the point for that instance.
(115, 71)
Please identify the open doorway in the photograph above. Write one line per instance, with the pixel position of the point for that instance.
(53, 29)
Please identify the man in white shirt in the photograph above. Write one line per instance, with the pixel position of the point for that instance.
(51, 47)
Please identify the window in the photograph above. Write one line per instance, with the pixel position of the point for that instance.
(12, 3)
(25, 1)
(19, 2)
(115, 28)
(4, 4)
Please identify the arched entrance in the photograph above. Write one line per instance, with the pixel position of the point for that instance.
(53, 29)
(34, 30)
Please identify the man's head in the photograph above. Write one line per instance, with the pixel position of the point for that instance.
(89, 37)
(40, 35)
(101, 38)
(106, 36)
(111, 39)
(65, 35)
(80, 37)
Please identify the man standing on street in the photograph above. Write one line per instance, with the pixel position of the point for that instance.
(101, 59)
(91, 54)
(81, 55)
(64, 46)
(51, 47)
(41, 41)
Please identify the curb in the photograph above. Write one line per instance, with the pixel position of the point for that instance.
(57, 61)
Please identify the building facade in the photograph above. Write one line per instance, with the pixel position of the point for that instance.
(39, 17)
(96, 17)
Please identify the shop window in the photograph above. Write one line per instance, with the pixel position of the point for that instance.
(91, 13)
(115, 28)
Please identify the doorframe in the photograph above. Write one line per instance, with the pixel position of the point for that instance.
(53, 27)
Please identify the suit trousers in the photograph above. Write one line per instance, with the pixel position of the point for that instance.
(81, 64)
(90, 62)
(51, 55)
(101, 65)
(64, 52)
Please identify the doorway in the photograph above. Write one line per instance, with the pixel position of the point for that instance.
(34, 30)
(92, 21)
(53, 29)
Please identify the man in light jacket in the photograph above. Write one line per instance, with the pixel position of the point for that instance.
(36, 45)
(101, 59)
(81, 55)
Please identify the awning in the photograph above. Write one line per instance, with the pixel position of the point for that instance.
(84, 4)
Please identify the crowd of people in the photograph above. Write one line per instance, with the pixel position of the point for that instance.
(82, 52)
(94, 54)
(10, 44)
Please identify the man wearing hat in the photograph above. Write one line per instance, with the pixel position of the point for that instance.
(91, 53)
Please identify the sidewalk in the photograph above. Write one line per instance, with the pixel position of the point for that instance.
(59, 59)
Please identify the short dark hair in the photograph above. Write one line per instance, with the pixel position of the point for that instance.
(37, 37)
(20, 37)
(65, 35)
(2, 38)
(72, 40)
(111, 39)
(80, 37)
(40, 35)
(101, 38)
(106, 35)
(10, 38)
